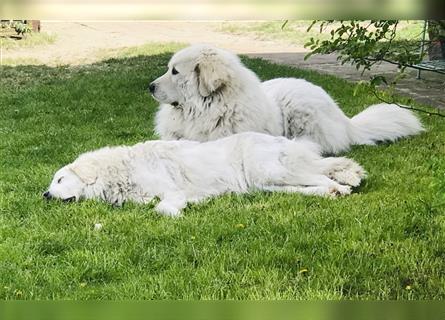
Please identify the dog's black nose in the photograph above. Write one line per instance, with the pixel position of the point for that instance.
(152, 87)
(47, 195)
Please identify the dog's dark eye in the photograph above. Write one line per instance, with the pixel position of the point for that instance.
(174, 71)
(60, 180)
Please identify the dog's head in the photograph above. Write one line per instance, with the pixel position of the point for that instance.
(69, 182)
(196, 71)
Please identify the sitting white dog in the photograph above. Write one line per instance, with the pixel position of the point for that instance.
(207, 94)
(179, 172)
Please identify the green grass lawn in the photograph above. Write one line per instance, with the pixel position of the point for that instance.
(295, 31)
(386, 241)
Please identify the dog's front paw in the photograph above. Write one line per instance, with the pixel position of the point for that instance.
(167, 209)
(339, 190)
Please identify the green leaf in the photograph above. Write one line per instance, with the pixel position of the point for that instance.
(308, 55)
(284, 24)
(378, 80)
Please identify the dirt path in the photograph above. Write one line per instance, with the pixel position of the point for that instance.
(80, 42)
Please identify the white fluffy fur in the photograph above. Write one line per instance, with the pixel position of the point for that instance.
(214, 95)
(179, 172)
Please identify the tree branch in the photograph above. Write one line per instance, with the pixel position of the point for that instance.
(407, 65)
(407, 107)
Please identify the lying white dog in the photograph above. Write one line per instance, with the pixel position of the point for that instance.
(179, 172)
(207, 93)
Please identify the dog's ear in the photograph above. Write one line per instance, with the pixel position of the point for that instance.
(86, 172)
(212, 73)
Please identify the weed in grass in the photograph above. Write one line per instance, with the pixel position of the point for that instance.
(29, 41)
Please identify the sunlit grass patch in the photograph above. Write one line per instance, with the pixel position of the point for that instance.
(28, 41)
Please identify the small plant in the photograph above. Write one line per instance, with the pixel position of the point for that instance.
(21, 28)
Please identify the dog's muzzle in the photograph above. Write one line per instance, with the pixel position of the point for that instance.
(47, 195)
(152, 88)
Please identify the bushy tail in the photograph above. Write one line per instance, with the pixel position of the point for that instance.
(384, 122)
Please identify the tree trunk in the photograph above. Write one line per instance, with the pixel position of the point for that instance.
(436, 33)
